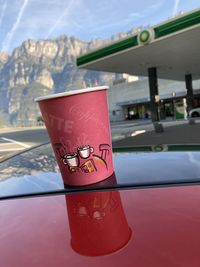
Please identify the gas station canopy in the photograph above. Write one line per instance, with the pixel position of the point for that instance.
(173, 48)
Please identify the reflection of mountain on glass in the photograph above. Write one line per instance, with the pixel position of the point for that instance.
(97, 223)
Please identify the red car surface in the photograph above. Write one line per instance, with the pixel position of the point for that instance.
(124, 222)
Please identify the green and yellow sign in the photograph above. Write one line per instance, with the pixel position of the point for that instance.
(146, 36)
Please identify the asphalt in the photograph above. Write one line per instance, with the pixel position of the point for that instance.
(177, 134)
(15, 140)
(124, 134)
(30, 136)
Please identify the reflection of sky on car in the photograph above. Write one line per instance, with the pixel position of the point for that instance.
(162, 166)
(36, 171)
(40, 182)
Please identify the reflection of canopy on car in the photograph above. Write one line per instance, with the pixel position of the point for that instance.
(169, 50)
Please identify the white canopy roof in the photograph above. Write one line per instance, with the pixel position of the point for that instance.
(174, 51)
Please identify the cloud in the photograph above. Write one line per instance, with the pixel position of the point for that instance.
(125, 21)
(3, 12)
(85, 19)
(63, 15)
(115, 24)
(175, 7)
(10, 34)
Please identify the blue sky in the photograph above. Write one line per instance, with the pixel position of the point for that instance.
(85, 19)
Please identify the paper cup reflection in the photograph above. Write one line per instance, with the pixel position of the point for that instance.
(97, 223)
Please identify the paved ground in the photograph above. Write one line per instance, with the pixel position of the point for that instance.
(13, 141)
(128, 133)
(179, 134)
(125, 129)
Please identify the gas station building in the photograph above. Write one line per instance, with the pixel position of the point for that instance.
(131, 100)
(168, 55)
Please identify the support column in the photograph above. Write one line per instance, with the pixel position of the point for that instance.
(153, 89)
(189, 98)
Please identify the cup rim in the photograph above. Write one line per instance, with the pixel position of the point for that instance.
(75, 155)
(80, 148)
(72, 92)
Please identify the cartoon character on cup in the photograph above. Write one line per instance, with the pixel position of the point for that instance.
(85, 152)
(72, 160)
(84, 158)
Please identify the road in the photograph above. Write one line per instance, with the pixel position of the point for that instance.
(13, 141)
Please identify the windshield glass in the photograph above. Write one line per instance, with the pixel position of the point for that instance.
(36, 172)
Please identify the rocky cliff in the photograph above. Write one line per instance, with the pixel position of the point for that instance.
(39, 68)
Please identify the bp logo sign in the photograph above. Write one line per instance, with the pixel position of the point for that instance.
(146, 36)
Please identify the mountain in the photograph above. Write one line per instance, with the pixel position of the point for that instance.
(38, 68)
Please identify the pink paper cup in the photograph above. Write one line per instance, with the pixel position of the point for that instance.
(78, 127)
